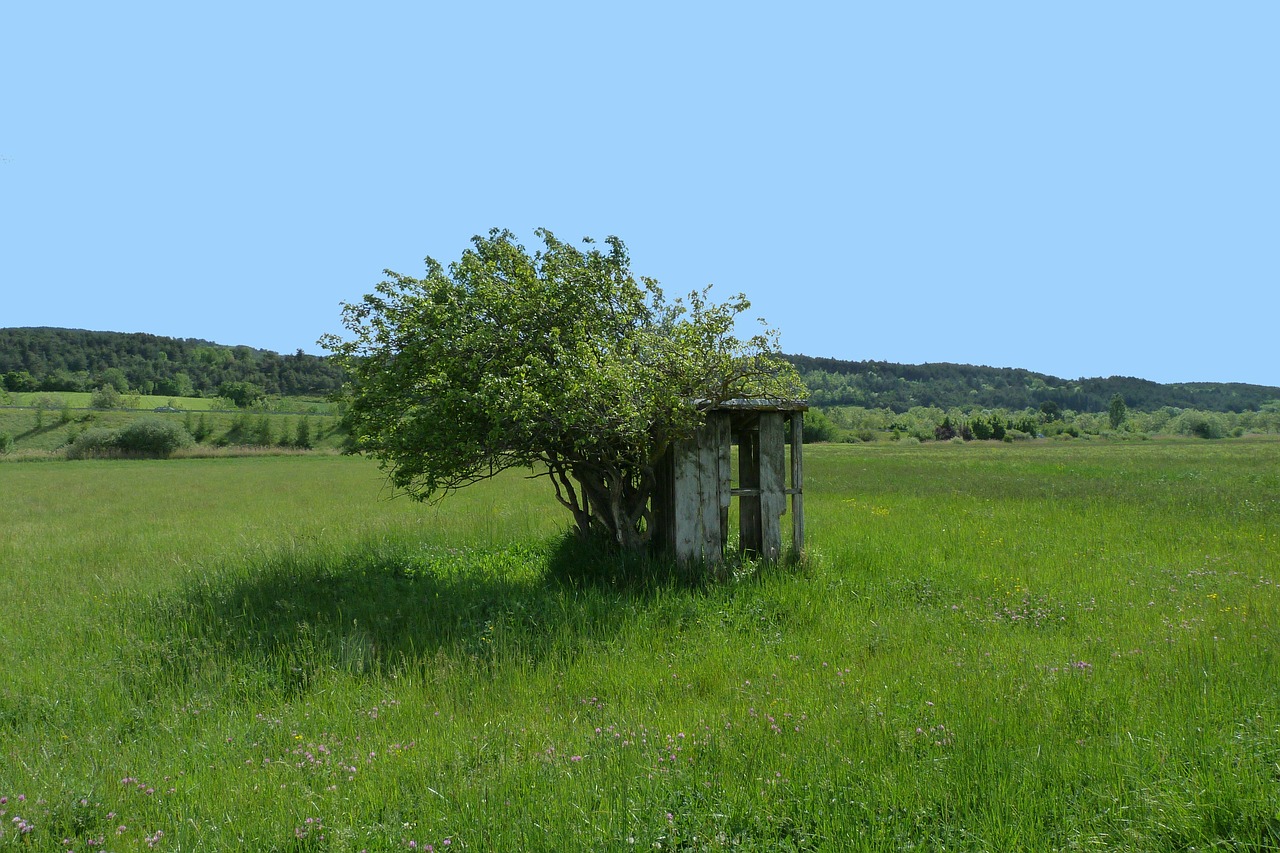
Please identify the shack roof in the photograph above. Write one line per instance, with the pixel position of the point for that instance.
(755, 404)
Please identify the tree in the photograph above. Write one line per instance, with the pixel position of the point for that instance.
(561, 361)
(114, 377)
(243, 394)
(106, 397)
(302, 438)
(1117, 411)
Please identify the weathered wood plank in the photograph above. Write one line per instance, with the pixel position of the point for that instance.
(687, 498)
(724, 472)
(709, 493)
(749, 478)
(797, 482)
(773, 501)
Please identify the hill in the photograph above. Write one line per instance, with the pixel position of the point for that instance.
(884, 385)
(50, 359)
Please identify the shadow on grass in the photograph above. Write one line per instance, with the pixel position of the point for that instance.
(388, 607)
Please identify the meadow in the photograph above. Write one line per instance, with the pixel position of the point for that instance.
(35, 433)
(1041, 645)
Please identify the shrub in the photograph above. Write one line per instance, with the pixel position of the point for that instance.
(93, 442)
(302, 439)
(818, 427)
(6, 442)
(263, 435)
(1199, 424)
(202, 430)
(106, 397)
(153, 437)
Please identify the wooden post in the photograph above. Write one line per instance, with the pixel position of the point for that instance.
(797, 482)
(708, 546)
(749, 487)
(773, 484)
(723, 438)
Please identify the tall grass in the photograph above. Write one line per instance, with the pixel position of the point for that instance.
(1010, 647)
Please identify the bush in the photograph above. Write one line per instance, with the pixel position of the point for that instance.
(153, 437)
(263, 435)
(6, 443)
(106, 397)
(1199, 424)
(93, 442)
(302, 439)
(818, 427)
(202, 430)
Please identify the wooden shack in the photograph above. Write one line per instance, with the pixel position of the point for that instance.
(696, 482)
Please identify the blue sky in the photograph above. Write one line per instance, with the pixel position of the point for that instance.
(1083, 189)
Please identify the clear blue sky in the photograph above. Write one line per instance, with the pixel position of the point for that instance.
(1081, 189)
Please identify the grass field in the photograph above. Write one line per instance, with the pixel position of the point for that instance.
(1048, 646)
(39, 432)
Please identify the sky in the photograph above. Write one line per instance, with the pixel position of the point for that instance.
(1079, 189)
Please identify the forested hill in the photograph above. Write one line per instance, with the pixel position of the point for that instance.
(48, 359)
(881, 384)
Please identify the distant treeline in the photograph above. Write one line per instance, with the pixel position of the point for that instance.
(48, 359)
(900, 387)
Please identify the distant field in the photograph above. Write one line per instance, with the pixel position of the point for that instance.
(37, 430)
(1039, 646)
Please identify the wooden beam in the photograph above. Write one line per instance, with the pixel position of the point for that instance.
(749, 479)
(797, 482)
(773, 500)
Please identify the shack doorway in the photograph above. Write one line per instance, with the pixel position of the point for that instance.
(695, 482)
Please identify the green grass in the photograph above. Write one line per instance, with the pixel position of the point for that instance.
(45, 432)
(1048, 646)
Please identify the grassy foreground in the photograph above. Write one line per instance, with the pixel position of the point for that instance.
(999, 647)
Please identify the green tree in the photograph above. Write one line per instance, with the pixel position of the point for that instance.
(202, 430)
(114, 377)
(20, 380)
(263, 434)
(561, 361)
(302, 438)
(818, 427)
(1117, 411)
(106, 397)
(243, 394)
